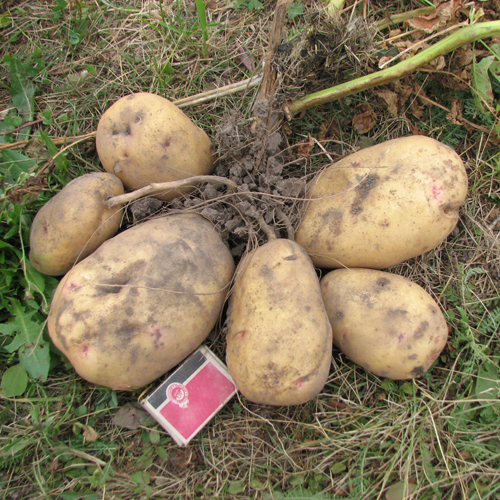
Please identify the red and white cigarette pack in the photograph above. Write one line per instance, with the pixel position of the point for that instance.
(189, 398)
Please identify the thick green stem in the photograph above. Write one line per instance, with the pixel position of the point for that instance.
(463, 36)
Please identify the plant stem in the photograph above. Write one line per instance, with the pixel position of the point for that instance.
(404, 16)
(161, 187)
(464, 36)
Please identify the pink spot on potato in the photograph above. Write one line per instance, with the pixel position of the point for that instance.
(437, 193)
(157, 336)
(72, 285)
(301, 381)
(85, 351)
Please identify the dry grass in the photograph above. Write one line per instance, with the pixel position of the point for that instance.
(362, 434)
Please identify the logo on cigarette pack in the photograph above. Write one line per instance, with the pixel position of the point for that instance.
(178, 394)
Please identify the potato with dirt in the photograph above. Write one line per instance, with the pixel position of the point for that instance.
(384, 322)
(75, 222)
(384, 204)
(279, 340)
(142, 302)
(144, 138)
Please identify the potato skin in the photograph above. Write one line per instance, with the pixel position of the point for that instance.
(144, 138)
(279, 340)
(384, 322)
(142, 302)
(384, 204)
(75, 222)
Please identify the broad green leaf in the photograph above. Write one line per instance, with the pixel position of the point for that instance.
(27, 330)
(295, 10)
(13, 164)
(495, 69)
(482, 84)
(338, 467)
(35, 359)
(400, 491)
(236, 487)
(5, 20)
(22, 92)
(35, 278)
(61, 162)
(487, 384)
(14, 381)
(12, 449)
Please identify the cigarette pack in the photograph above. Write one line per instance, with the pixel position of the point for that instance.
(191, 396)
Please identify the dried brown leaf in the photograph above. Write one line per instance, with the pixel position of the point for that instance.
(365, 121)
(90, 434)
(391, 99)
(455, 114)
(304, 148)
(445, 14)
(131, 416)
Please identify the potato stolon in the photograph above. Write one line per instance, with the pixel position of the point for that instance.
(279, 341)
(384, 204)
(74, 223)
(384, 322)
(142, 302)
(144, 138)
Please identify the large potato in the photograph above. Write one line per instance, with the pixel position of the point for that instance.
(384, 322)
(279, 340)
(142, 302)
(384, 204)
(74, 223)
(144, 138)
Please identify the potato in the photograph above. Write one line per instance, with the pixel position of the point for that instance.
(279, 341)
(144, 138)
(384, 322)
(384, 204)
(142, 302)
(74, 223)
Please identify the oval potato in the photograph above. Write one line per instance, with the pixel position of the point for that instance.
(279, 340)
(384, 322)
(144, 138)
(142, 302)
(384, 204)
(76, 221)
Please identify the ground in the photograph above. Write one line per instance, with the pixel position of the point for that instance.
(65, 62)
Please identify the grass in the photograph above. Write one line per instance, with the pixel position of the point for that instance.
(58, 438)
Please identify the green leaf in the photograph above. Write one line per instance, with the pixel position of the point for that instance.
(495, 69)
(400, 491)
(28, 331)
(12, 449)
(236, 487)
(14, 164)
(61, 162)
(5, 20)
(14, 381)
(487, 384)
(255, 5)
(338, 467)
(295, 10)
(74, 38)
(22, 92)
(482, 84)
(35, 359)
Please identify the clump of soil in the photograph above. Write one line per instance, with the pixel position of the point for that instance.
(256, 159)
